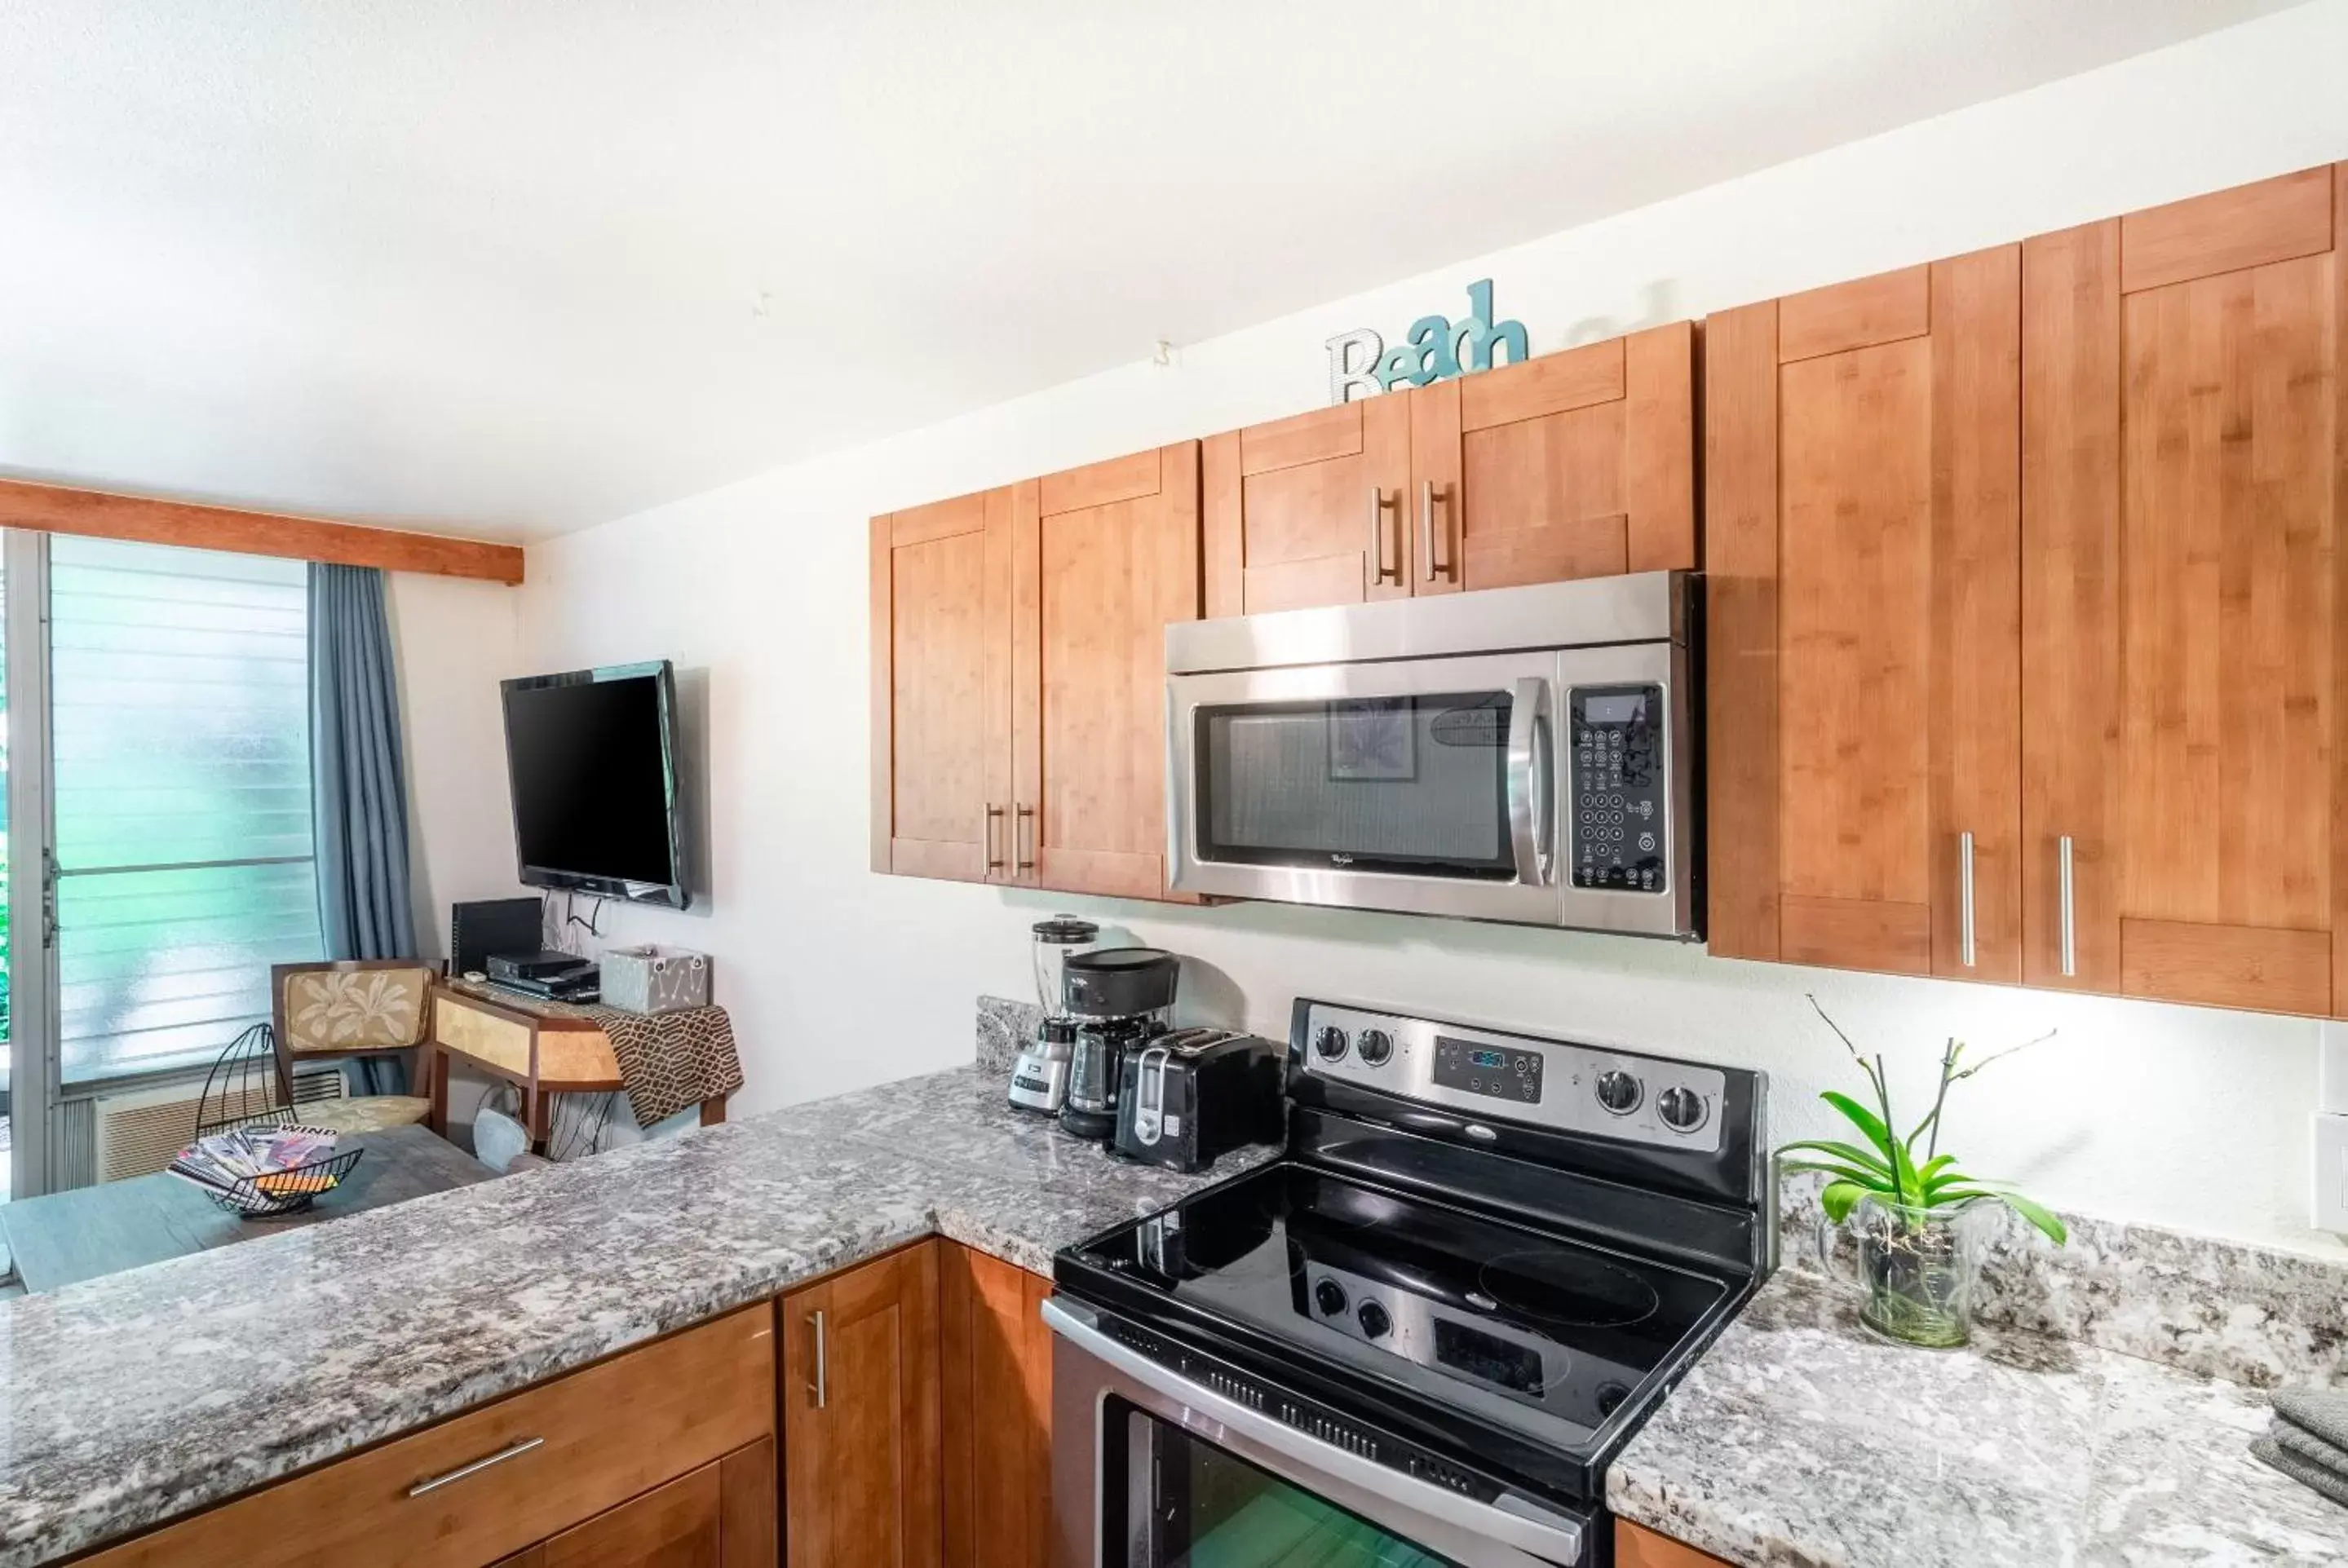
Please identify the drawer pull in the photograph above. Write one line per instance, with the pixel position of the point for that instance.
(821, 1390)
(514, 1450)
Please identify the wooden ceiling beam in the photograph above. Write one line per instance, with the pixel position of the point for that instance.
(58, 510)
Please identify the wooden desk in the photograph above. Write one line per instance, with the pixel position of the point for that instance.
(542, 1048)
(90, 1230)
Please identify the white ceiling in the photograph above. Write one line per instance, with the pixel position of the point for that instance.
(514, 267)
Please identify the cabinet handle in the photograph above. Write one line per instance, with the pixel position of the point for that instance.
(821, 1387)
(1023, 840)
(1966, 899)
(993, 859)
(2070, 921)
(514, 1450)
(1378, 505)
(1426, 532)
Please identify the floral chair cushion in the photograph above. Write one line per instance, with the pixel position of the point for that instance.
(335, 1011)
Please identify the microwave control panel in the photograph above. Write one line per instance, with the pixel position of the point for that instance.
(1617, 808)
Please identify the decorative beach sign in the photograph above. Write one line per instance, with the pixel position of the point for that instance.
(1361, 365)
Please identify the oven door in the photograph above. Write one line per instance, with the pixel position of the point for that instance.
(1424, 785)
(1150, 1470)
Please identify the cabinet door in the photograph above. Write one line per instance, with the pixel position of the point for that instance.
(1636, 1546)
(1103, 558)
(1579, 463)
(1311, 510)
(719, 1516)
(2185, 563)
(941, 634)
(859, 1400)
(996, 1401)
(1864, 533)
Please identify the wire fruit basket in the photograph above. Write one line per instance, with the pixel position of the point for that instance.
(268, 1193)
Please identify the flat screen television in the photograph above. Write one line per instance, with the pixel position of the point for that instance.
(591, 756)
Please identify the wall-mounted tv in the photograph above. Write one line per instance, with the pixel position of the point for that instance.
(591, 754)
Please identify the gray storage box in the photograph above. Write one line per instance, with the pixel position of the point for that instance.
(650, 979)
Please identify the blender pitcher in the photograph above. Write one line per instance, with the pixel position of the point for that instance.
(1039, 1079)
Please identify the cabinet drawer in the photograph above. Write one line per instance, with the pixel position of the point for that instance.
(603, 1435)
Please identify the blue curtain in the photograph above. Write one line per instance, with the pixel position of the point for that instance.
(358, 775)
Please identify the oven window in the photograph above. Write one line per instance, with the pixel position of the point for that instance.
(1191, 1505)
(1412, 784)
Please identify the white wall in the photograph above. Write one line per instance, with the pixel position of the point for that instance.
(838, 977)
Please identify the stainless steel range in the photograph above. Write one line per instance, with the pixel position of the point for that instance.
(1420, 1335)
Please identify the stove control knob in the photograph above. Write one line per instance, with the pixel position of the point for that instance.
(1330, 1297)
(1610, 1397)
(1374, 1320)
(1375, 1046)
(1619, 1092)
(1330, 1042)
(1682, 1109)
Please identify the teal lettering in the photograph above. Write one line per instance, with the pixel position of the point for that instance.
(1474, 340)
(1397, 365)
(1431, 335)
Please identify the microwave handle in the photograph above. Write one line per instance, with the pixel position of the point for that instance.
(1531, 784)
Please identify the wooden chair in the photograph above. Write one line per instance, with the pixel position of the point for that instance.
(354, 1008)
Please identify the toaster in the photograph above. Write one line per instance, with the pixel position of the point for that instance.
(1188, 1098)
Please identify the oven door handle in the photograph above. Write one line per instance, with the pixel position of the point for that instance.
(1512, 1520)
(1530, 809)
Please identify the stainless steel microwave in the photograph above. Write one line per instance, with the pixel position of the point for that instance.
(1521, 754)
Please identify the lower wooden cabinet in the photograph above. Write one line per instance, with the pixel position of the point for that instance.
(1636, 1546)
(522, 1473)
(997, 1398)
(719, 1516)
(860, 1409)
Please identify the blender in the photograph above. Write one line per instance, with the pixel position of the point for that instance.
(1039, 1079)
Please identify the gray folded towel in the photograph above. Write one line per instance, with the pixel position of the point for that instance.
(2322, 1412)
(2295, 1438)
(2334, 1487)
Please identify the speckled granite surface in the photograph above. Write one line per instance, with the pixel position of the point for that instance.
(128, 1399)
(1800, 1440)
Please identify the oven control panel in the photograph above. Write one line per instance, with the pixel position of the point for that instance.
(1480, 1073)
(1616, 802)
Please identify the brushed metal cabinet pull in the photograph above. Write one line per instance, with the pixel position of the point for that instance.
(1436, 566)
(1023, 840)
(993, 858)
(1966, 899)
(2070, 919)
(822, 1374)
(514, 1450)
(1378, 504)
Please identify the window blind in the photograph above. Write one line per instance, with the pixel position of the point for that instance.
(180, 728)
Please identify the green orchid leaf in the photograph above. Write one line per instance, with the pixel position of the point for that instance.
(1933, 1166)
(1838, 1198)
(1872, 1180)
(1869, 1122)
(1865, 1160)
(2037, 1214)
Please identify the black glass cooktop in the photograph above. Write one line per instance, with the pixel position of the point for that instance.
(1533, 1330)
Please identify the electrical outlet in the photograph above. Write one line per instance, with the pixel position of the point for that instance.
(2331, 1172)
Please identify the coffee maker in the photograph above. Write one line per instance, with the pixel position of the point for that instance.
(1121, 999)
(1039, 1077)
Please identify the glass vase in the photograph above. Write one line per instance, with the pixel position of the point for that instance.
(1915, 1268)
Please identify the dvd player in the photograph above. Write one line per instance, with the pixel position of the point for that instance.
(542, 966)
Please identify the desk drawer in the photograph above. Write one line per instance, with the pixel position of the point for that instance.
(604, 1435)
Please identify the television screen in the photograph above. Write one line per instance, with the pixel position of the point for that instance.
(592, 759)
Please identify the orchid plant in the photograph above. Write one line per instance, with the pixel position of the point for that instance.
(1910, 1174)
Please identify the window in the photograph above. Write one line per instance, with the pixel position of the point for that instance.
(179, 686)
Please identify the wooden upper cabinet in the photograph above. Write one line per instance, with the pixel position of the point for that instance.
(2182, 439)
(1103, 558)
(860, 1415)
(941, 630)
(1310, 510)
(1862, 546)
(1577, 463)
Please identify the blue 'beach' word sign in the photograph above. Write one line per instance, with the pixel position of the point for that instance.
(1361, 365)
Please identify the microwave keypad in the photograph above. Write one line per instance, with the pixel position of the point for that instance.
(1616, 808)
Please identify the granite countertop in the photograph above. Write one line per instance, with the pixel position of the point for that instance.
(130, 1399)
(1800, 1438)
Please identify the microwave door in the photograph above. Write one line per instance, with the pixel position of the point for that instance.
(1423, 786)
